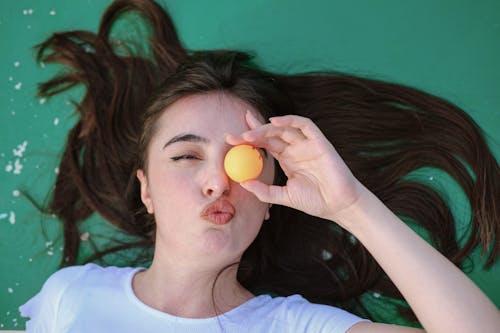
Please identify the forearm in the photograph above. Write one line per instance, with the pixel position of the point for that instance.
(442, 297)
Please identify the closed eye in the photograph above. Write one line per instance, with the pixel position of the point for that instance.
(184, 157)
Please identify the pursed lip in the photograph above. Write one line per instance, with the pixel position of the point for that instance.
(218, 212)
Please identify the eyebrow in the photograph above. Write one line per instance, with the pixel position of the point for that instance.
(186, 138)
(196, 138)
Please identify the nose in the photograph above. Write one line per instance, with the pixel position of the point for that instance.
(217, 183)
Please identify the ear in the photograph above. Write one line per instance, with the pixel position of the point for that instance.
(145, 195)
(268, 215)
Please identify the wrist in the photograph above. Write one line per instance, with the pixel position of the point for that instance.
(354, 216)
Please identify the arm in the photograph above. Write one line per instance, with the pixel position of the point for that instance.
(442, 297)
(320, 184)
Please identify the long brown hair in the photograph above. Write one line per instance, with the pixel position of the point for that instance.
(383, 131)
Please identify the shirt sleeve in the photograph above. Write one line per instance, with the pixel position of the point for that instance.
(322, 318)
(43, 308)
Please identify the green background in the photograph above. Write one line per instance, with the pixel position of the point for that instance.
(449, 48)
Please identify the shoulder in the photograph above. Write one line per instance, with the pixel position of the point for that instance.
(84, 274)
(312, 317)
(63, 287)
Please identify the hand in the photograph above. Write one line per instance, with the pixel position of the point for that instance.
(319, 182)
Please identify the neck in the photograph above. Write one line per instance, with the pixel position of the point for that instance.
(185, 290)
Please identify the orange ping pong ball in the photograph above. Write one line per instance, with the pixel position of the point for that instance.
(243, 162)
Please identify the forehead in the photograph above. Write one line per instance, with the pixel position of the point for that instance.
(206, 114)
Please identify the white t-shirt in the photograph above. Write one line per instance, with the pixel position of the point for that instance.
(94, 299)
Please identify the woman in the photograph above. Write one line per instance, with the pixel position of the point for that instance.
(205, 223)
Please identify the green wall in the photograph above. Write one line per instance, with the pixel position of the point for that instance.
(449, 48)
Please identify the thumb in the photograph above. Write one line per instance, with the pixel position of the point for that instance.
(267, 193)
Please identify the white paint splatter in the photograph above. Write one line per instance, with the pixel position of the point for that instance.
(85, 236)
(56, 170)
(11, 78)
(431, 178)
(52, 12)
(17, 64)
(9, 167)
(3, 216)
(28, 26)
(49, 243)
(17, 167)
(56, 121)
(18, 86)
(376, 295)
(16, 193)
(30, 259)
(10, 290)
(21, 148)
(50, 253)
(42, 101)
(12, 218)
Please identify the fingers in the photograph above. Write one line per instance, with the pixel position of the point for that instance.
(277, 135)
(267, 193)
(252, 121)
(305, 125)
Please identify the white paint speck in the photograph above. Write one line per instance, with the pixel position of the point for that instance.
(11, 78)
(85, 236)
(30, 259)
(3, 216)
(9, 167)
(21, 148)
(17, 167)
(25, 12)
(12, 218)
(56, 121)
(431, 178)
(49, 243)
(16, 193)
(50, 253)
(18, 86)
(42, 100)
(10, 290)
(56, 170)
(52, 12)
(17, 64)
(326, 255)
(376, 295)
(30, 11)
(28, 26)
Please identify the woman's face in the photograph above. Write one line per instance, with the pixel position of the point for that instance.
(185, 176)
